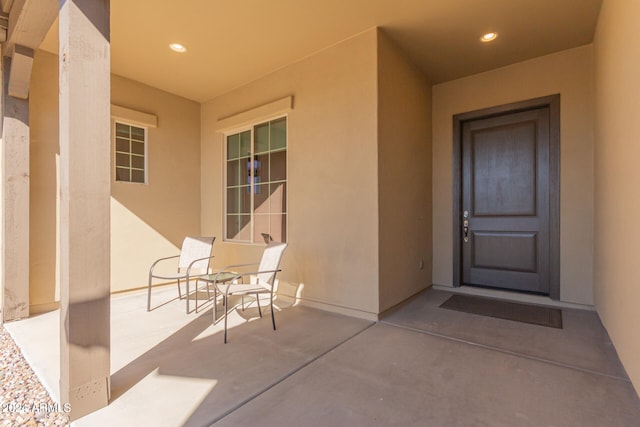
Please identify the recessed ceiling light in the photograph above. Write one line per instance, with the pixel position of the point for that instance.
(488, 37)
(177, 47)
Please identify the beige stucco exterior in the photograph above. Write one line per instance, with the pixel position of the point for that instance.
(357, 244)
(150, 221)
(147, 221)
(568, 73)
(358, 132)
(404, 175)
(617, 292)
(332, 259)
(44, 290)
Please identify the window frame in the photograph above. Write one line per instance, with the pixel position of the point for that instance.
(115, 123)
(238, 130)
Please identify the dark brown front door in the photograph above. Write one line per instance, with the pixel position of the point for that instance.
(505, 201)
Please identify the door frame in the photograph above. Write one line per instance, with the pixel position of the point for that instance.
(553, 103)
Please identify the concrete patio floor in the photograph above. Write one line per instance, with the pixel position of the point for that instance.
(421, 365)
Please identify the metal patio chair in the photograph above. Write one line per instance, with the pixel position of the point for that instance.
(193, 262)
(261, 281)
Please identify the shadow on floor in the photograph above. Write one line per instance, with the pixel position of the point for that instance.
(424, 365)
(190, 377)
(583, 343)
(420, 365)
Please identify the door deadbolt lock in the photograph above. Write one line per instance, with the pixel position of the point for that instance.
(465, 226)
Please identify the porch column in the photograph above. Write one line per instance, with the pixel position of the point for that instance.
(84, 204)
(15, 202)
(27, 24)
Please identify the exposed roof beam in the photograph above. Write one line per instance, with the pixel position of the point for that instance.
(20, 73)
(29, 22)
(6, 5)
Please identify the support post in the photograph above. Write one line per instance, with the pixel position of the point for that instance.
(15, 202)
(84, 204)
(29, 21)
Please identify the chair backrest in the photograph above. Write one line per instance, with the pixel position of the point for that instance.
(195, 248)
(270, 261)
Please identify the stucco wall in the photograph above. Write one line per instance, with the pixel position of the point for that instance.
(569, 73)
(44, 151)
(150, 221)
(332, 257)
(147, 221)
(404, 175)
(617, 289)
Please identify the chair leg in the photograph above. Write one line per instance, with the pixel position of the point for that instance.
(196, 295)
(242, 299)
(215, 304)
(258, 302)
(149, 295)
(179, 291)
(273, 318)
(197, 290)
(225, 323)
(186, 296)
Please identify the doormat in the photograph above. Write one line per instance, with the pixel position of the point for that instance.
(526, 313)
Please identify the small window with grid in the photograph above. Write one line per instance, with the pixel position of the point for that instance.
(131, 148)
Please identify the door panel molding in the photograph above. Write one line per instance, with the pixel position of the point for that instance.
(553, 103)
(483, 150)
(518, 250)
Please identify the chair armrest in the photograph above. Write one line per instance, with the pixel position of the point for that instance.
(259, 272)
(237, 276)
(158, 260)
(197, 260)
(227, 267)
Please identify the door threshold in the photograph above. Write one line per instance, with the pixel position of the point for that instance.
(512, 296)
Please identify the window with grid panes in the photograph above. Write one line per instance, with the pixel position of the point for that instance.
(130, 153)
(256, 183)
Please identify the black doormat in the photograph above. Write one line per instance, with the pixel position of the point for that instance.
(526, 313)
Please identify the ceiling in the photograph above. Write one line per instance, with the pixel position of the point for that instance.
(233, 42)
